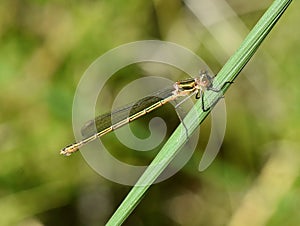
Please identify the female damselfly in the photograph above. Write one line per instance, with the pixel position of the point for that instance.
(103, 123)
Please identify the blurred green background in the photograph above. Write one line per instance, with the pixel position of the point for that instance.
(45, 47)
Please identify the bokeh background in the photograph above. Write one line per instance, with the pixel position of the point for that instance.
(45, 47)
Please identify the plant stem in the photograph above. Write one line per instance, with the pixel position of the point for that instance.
(228, 73)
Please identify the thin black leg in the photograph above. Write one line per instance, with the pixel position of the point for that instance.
(198, 94)
(203, 106)
(211, 106)
(218, 90)
(214, 90)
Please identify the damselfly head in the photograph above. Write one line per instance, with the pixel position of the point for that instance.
(204, 80)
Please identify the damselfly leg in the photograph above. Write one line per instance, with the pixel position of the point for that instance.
(200, 94)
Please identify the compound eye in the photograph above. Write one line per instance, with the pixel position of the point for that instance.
(204, 80)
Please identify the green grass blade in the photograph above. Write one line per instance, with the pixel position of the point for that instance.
(228, 73)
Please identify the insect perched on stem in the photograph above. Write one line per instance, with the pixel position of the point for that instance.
(183, 88)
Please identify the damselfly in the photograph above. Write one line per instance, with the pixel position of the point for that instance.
(104, 123)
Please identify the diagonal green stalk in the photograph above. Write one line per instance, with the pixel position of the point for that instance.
(228, 73)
